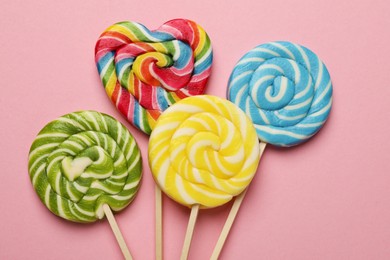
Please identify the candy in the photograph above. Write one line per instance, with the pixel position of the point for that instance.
(285, 89)
(144, 72)
(203, 151)
(83, 160)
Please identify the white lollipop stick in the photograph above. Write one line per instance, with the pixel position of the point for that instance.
(231, 217)
(159, 247)
(117, 232)
(189, 232)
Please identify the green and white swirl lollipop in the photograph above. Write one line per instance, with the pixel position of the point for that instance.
(83, 164)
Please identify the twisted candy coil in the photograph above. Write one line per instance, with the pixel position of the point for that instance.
(204, 150)
(144, 72)
(285, 89)
(83, 160)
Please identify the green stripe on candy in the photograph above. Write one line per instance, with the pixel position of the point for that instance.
(171, 50)
(107, 75)
(125, 79)
(134, 29)
(205, 49)
(170, 98)
(146, 127)
(83, 160)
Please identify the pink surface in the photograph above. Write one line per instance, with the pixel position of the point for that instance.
(326, 199)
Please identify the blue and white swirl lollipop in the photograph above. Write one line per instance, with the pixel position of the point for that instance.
(285, 89)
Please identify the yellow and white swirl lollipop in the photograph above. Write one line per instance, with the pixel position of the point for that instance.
(203, 152)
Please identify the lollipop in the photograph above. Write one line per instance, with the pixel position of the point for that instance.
(202, 153)
(144, 72)
(286, 91)
(84, 164)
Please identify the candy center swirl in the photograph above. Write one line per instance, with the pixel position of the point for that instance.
(94, 162)
(207, 143)
(282, 89)
(203, 151)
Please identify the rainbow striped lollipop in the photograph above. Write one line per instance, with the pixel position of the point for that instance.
(84, 164)
(144, 71)
(286, 91)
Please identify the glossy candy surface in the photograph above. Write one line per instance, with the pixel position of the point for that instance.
(285, 89)
(204, 150)
(145, 71)
(83, 160)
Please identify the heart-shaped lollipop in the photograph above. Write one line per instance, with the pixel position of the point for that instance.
(144, 71)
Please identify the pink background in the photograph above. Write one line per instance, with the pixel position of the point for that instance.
(326, 199)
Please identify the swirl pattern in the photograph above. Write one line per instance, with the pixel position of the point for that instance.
(285, 89)
(83, 160)
(144, 72)
(204, 150)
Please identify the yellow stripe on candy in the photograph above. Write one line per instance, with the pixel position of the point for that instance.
(175, 97)
(203, 150)
(151, 120)
(123, 30)
(202, 41)
(110, 86)
(159, 47)
(130, 83)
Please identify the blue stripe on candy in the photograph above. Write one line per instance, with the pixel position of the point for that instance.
(123, 63)
(162, 99)
(104, 60)
(204, 65)
(185, 55)
(136, 115)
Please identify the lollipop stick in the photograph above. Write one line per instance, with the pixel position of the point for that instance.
(189, 232)
(117, 232)
(232, 215)
(158, 223)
